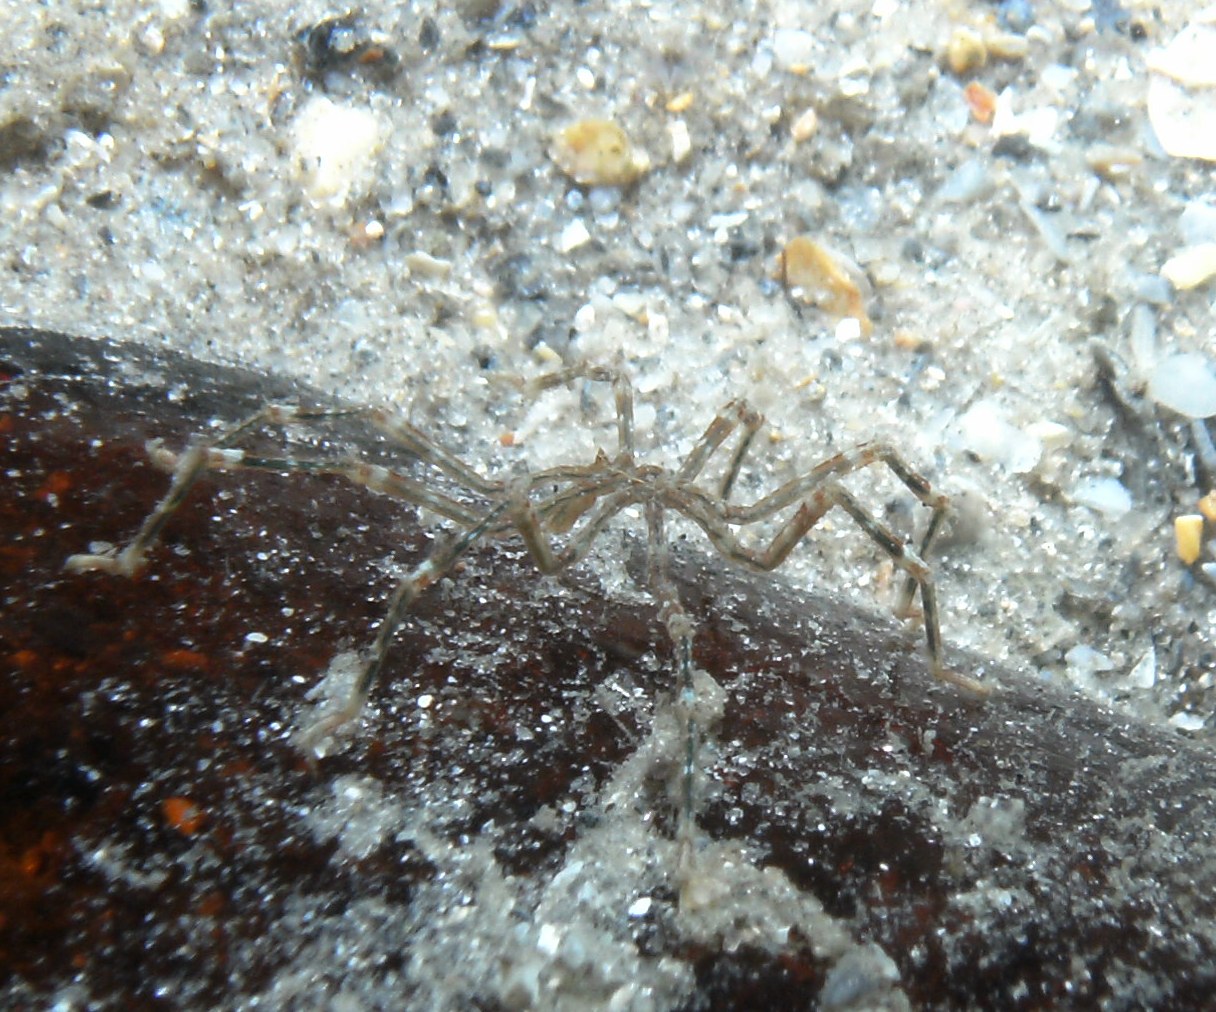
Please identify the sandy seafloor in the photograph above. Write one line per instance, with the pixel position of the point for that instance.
(152, 189)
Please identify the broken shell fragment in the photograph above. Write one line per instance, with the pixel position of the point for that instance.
(597, 152)
(821, 277)
(1182, 91)
(1191, 266)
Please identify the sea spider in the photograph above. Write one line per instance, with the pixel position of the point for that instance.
(560, 511)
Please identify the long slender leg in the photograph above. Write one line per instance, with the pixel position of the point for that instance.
(716, 433)
(426, 449)
(186, 471)
(621, 388)
(527, 519)
(903, 607)
(373, 476)
(835, 468)
(680, 629)
(397, 429)
(751, 425)
(422, 576)
(712, 518)
(187, 467)
(840, 466)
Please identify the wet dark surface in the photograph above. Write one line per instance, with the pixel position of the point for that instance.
(150, 794)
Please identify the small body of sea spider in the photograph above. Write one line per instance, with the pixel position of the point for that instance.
(558, 513)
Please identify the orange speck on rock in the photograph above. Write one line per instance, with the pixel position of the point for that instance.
(507, 439)
(185, 660)
(183, 815)
(31, 862)
(26, 660)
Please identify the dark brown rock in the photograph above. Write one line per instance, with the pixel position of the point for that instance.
(164, 842)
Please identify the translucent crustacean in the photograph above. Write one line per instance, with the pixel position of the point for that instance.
(559, 512)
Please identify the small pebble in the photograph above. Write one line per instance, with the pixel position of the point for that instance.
(794, 49)
(597, 152)
(981, 100)
(1007, 46)
(1113, 162)
(966, 183)
(681, 102)
(966, 51)
(1197, 223)
(805, 126)
(1188, 721)
(424, 265)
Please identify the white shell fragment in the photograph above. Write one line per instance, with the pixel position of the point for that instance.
(1037, 125)
(1192, 266)
(1144, 674)
(1184, 383)
(793, 49)
(333, 147)
(1182, 90)
(573, 236)
(985, 432)
(1107, 496)
(1197, 223)
(681, 141)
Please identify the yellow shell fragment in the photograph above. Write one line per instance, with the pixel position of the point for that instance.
(597, 152)
(681, 102)
(820, 277)
(1188, 537)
